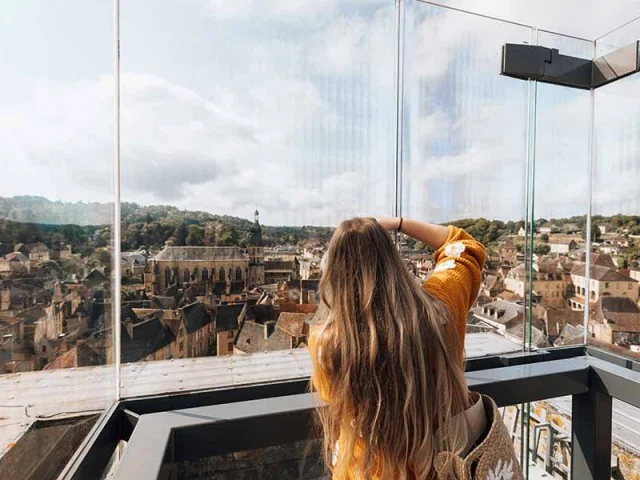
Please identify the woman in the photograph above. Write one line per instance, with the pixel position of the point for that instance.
(388, 360)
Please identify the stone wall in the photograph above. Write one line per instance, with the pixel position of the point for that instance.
(296, 461)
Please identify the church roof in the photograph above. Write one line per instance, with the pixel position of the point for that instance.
(202, 254)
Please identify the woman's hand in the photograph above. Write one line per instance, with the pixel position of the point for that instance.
(388, 223)
(433, 235)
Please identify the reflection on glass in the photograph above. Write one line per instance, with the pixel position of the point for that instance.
(247, 134)
(613, 288)
(560, 204)
(56, 153)
(465, 156)
(292, 461)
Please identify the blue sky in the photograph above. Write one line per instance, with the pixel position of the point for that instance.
(289, 105)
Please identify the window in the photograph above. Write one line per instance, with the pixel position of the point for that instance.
(230, 334)
(230, 347)
(221, 278)
(606, 285)
(205, 274)
(238, 274)
(44, 349)
(187, 276)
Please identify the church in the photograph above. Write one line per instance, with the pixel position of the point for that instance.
(229, 269)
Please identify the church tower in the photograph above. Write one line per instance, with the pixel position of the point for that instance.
(256, 252)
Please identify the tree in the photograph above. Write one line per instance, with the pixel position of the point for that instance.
(180, 234)
(103, 257)
(544, 237)
(195, 235)
(595, 233)
(228, 236)
(541, 249)
(209, 234)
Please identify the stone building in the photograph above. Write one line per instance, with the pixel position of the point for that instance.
(508, 253)
(229, 318)
(562, 246)
(550, 283)
(224, 268)
(603, 281)
(615, 320)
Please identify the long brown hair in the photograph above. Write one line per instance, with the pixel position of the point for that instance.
(386, 361)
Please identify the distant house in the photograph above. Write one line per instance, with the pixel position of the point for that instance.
(604, 228)
(508, 253)
(522, 232)
(601, 259)
(548, 228)
(132, 265)
(198, 324)
(556, 319)
(94, 278)
(228, 321)
(37, 252)
(549, 283)
(281, 270)
(500, 315)
(491, 286)
(15, 262)
(562, 246)
(296, 325)
(615, 320)
(146, 338)
(603, 281)
(60, 252)
(255, 337)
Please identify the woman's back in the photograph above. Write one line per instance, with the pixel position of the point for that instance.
(389, 358)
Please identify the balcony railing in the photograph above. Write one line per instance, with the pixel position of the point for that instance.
(163, 431)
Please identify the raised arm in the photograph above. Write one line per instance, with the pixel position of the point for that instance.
(459, 261)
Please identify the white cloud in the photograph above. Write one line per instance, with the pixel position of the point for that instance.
(295, 113)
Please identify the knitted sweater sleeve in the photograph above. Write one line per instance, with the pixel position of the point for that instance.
(457, 275)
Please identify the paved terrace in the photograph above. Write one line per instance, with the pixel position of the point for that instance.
(48, 394)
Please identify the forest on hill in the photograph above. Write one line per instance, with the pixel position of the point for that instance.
(86, 226)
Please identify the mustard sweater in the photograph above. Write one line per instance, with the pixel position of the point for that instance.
(457, 276)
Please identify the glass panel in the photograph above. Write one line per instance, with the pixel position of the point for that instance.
(293, 127)
(56, 158)
(293, 461)
(614, 317)
(561, 198)
(465, 154)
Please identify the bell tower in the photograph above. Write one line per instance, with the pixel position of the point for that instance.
(256, 252)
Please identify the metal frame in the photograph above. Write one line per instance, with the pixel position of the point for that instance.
(164, 429)
(548, 65)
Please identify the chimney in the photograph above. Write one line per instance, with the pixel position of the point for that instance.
(128, 324)
(269, 328)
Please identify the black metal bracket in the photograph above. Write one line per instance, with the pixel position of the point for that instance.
(548, 65)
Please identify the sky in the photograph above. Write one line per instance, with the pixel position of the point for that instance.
(290, 106)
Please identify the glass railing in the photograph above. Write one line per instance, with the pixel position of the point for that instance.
(56, 218)
(247, 132)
